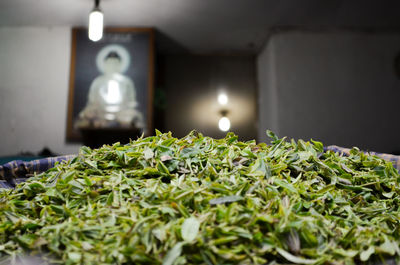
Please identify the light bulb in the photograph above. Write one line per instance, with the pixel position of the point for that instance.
(96, 25)
(222, 99)
(224, 124)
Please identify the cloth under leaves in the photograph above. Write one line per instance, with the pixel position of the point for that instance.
(17, 171)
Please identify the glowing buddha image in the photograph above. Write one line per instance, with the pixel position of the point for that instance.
(112, 95)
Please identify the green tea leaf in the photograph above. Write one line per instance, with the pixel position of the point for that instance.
(295, 259)
(190, 229)
(173, 254)
(148, 153)
(225, 199)
(364, 255)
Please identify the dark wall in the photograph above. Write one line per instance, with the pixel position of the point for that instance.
(190, 85)
(339, 87)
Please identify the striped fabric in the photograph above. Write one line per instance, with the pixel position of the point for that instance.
(17, 171)
(6, 185)
(346, 151)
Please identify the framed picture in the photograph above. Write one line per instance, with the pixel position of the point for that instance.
(111, 81)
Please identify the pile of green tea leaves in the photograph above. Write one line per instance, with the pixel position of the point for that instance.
(198, 200)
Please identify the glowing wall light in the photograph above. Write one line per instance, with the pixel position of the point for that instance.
(222, 99)
(224, 124)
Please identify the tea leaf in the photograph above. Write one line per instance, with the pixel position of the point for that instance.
(173, 254)
(225, 199)
(364, 256)
(190, 229)
(199, 200)
(295, 259)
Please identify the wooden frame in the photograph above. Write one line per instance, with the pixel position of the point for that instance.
(138, 42)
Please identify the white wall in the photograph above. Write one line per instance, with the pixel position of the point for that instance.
(34, 74)
(337, 87)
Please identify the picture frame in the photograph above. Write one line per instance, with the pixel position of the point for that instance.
(133, 49)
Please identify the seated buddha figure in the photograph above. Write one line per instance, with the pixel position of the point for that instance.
(111, 98)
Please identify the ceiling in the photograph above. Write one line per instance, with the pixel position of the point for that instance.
(207, 26)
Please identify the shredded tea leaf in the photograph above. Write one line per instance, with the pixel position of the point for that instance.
(199, 200)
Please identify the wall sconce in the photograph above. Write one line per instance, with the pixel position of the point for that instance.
(96, 18)
(224, 124)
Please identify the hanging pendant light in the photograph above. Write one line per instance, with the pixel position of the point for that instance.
(96, 18)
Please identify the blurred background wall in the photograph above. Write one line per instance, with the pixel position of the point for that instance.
(310, 69)
(192, 84)
(336, 86)
(339, 87)
(34, 76)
